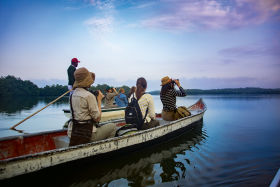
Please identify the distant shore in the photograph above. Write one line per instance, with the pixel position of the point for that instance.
(12, 86)
(228, 91)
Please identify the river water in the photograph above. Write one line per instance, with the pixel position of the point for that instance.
(237, 144)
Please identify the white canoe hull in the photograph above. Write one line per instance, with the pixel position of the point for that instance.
(34, 162)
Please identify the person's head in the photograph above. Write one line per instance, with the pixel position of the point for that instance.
(121, 90)
(141, 85)
(83, 78)
(109, 89)
(167, 84)
(132, 90)
(75, 62)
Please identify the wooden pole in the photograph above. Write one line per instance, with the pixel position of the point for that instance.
(13, 127)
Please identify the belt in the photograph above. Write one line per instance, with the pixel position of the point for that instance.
(83, 121)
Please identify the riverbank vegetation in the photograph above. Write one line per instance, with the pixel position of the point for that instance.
(12, 86)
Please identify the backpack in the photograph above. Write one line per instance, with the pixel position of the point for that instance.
(133, 114)
(183, 111)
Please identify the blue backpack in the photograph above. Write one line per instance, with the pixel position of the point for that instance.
(133, 114)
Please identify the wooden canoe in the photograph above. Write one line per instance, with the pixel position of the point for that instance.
(106, 115)
(32, 152)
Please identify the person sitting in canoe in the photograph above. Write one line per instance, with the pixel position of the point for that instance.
(131, 93)
(168, 96)
(86, 111)
(121, 99)
(146, 104)
(109, 97)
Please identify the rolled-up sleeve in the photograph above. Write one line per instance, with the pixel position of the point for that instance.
(93, 107)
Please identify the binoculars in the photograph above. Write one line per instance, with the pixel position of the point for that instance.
(173, 81)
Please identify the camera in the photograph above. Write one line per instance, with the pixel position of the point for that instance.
(96, 92)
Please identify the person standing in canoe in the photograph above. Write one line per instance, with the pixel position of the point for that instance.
(110, 97)
(86, 111)
(168, 96)
(70, 71)
(146, 104)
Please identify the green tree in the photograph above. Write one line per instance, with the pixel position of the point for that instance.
(12, 86)
(54, 90)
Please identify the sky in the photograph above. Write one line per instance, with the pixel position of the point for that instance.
(206, 44)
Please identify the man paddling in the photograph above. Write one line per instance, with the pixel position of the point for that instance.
(70, 71)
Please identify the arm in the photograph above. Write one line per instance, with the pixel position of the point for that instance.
(181, 92)
(115, 91)
(94, 105)
(99, 100)
(151, 106)
(111, 95)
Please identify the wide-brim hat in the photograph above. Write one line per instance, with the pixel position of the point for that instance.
(108, 88)
(165, 80)
(83, 78)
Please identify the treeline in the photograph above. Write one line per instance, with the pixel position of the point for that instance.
(228, 91)
(12, 86)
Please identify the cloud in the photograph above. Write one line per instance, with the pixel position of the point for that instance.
(101, 4)
(252, 50)
(145, 5)
(100, 25)
(210, 14)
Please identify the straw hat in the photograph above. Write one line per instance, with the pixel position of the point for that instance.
(83, 78)
(165, 80)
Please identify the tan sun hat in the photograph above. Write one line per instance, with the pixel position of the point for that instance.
(165, 80)
(83, 78)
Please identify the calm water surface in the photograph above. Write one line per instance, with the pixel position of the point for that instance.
(237, 144)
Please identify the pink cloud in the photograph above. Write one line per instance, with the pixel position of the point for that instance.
(189, 15)
(252, 50)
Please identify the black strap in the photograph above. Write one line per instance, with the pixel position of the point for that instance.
(146, 109)
(72, 111)
(145, 115)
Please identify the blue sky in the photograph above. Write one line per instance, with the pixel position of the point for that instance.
(206, 44)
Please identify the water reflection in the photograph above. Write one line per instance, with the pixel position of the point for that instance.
(152, 165)
(11, 105)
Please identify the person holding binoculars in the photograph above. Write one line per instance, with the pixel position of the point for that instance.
(168, 96)
(110, 97)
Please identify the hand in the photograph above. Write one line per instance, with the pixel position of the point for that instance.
(100, 95)
(177, 82)
(114, 89)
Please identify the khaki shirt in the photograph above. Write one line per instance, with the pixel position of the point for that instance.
(85, 106)
(109, 99)
(147, 101)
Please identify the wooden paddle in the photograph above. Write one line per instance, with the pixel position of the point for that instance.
(13, 127)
